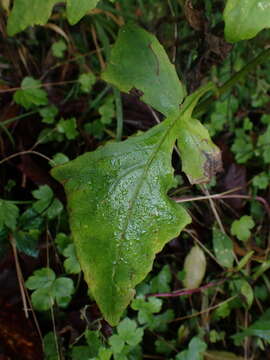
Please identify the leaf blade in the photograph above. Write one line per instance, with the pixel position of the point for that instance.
(152, 73)
(123, 182)
(22, 15)
(77, 9)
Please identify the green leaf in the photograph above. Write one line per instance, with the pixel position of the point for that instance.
(30, 93)
(87, 80)
(24, 15)
(195, 267)
(247, 292)
(8, 214)
(242, 147)
(200, 157)
(42, 299)
(147, 313)
(261, 181)
(244, 19)
(244, 261)
(68, 127)
(48, 289)
(93, 341)
(59, 48)
(50, 347)
(62, 241)
(46, 204)
(81, 353)
(71, 264)
(44, 196)
(223, 248)
(55, 209)
(116, 343)
(195, 351)
(44, 192)
(264, 145)
(241, 228)
(162, 321)
(146, 309)
(62, 289)
(165, 347)
(139, 62)
(260, 328)
(121, 214)
(107, 111)
(41, 278)
(104, 354)
(95, 128)
(129, 332)
(48, 114)
(59, 159)
(76, 9)
(26, 241)
(161, 282)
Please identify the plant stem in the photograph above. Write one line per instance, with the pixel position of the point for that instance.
(119, 113)
(222, 196)
(263, 56)
(19, 117)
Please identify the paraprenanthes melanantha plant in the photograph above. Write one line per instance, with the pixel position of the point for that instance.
(120, 213)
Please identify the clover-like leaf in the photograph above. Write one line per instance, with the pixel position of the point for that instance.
(68, 127)
(30, 94)
(62, 289)
(241, 228)
(139, 63)
(129, 332)
(42, 299)
(49, 290)
(86, 81)
(195, 351)
(46, 203)
(71, 264)
(244, 19)
(41, 278)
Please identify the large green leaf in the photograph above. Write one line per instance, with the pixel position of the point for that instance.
(120, 213)
(76, 9)
(245, 18)
(139, 62)
(27, 13)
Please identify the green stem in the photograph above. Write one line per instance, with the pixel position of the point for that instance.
(264, 55)
(9, 121)
(119, 114)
